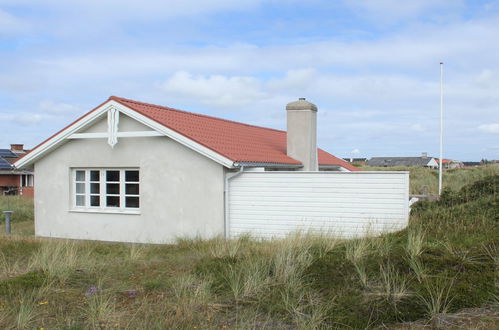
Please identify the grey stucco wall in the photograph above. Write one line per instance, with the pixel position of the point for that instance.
(302, 138)
(181, 192)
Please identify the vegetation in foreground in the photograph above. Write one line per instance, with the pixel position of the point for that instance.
(446, 260)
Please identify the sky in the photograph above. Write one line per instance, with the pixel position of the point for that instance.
(371, 67)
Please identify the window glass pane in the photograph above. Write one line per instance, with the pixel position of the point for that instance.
(132, 188)
(80, 175)
(95, 188)
(80, 188)
(80, 200)
(132, 176)
(113, 176)
(94, 200)
(132, 202)
(113, 201)
(113, 188)
(94, 175)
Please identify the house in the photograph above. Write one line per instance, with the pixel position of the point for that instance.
(356, 160)
(449, 163)
(13, 181)
(138, 172)
(423, 160)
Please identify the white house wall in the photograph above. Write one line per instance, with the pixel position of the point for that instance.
(273, 204)
(181, 192)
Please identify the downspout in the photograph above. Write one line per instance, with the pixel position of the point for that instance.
(228, 176)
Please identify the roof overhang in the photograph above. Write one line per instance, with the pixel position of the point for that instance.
(333, 168)
(94, 115)
(15, 172)
(267, 165)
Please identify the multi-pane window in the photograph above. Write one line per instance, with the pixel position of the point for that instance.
(106, 188)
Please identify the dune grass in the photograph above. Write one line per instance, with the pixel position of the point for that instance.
(426, 179)
(446, 260)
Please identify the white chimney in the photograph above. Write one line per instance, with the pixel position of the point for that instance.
(302, 133)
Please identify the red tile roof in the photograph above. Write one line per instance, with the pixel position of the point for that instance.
(236, 141)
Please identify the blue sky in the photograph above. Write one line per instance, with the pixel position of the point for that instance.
(370, 66)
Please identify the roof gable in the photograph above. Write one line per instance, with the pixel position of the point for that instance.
(224, 141)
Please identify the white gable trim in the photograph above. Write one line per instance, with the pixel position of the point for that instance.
(432, 163)
(68, 133)
(118, 134)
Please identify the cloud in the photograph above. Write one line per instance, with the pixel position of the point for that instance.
(386, 12)
(215, 90)
(355, 151)
(52, 107)
(136, 9)
(489, 128)
(294, 80)
(26, 118)
(10, 24)
(417, 128)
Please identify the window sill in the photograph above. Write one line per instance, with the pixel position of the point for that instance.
(132, 212)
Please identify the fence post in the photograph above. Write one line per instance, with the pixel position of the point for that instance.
(7, 214)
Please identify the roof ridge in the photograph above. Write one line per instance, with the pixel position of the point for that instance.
(405, 157)
(117, 98)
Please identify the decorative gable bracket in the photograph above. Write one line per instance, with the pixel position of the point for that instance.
(113, 119)
(113, 133)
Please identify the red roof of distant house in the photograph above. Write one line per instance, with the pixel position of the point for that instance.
(237, 141)
(444, 161)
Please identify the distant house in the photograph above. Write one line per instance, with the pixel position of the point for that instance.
(14, 181)
(423, 160)
(356, 160)
(450, 163)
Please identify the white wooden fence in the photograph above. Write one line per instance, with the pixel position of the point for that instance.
(345, 204)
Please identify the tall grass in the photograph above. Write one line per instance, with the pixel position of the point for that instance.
(422, 178)
(22, 207)
(100, 309)
(393, 284)
(415, 241)
(436, 297)
(59, 259)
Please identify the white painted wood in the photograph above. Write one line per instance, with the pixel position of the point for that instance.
(346, 204)
(139, 134)
(88, 136)
(113, 119)
(119, 134)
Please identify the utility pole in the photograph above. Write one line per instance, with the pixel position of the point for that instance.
(440, 169)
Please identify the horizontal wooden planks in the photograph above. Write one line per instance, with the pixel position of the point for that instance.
(268, 204)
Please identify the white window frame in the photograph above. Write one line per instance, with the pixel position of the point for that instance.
(26, 180)
(102, 208)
